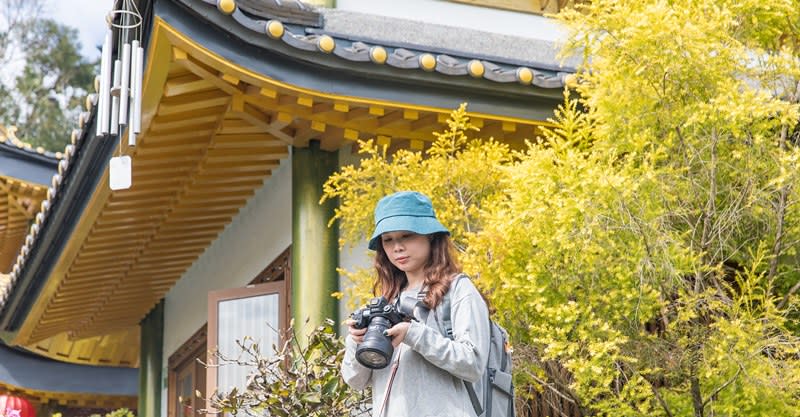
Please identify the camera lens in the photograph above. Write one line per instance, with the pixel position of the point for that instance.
(374, 359)
(376, 350)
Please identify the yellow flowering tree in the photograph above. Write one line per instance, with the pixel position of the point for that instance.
(642, 252)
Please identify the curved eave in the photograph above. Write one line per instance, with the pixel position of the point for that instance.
(46, 380)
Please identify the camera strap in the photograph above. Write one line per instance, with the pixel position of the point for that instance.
(395, 365)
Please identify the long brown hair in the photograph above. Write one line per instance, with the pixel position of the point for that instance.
(440, 270)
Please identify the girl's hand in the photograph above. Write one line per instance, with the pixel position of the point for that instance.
(356, 334)
(398, 333)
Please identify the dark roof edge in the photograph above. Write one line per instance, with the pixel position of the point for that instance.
(19, 164)
(27, 370)
(48, 158)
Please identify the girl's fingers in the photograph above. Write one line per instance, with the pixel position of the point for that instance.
(357, 332)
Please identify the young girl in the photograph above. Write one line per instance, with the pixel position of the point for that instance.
(426, 375)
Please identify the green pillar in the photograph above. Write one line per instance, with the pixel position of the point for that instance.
(315, 250)
(150, 358)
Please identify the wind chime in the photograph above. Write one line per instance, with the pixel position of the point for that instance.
(119, 101)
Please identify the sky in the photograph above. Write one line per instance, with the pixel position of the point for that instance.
(87, 16)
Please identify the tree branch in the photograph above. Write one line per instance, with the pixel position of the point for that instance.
(697, 397)
(781, 210)
(722, 387)
(788, 295)
(552, 388)
(710, 209)
(659, 398)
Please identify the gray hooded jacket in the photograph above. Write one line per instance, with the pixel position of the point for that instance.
(431, 367)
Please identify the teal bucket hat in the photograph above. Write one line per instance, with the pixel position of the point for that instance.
(405, 210)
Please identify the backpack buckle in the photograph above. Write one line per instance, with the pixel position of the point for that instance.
(492, 372)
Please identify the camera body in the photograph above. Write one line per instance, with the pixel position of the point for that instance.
(378, 307)
(376, 350)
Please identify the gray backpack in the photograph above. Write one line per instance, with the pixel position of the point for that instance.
(498, 390)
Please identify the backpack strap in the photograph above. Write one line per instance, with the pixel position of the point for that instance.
(445, 310)
(444, 317)
(503, 365)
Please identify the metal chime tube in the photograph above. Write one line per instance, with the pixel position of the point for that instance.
(105, 80)
(133, 123)
(132, 131)
(124, 83)
(137, 98)
(115, 100)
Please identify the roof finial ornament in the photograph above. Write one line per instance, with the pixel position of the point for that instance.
(226, 6)
(8, 133)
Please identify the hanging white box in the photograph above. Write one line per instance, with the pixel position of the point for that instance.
(119, 177)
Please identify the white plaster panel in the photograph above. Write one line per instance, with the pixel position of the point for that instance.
(447, 13)
(350, 259)
(259, 233)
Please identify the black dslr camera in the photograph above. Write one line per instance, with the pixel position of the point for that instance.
(376, 350)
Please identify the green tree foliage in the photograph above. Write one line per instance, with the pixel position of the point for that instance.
(45, 97)
(294, 380)
(643, 251)
(15, 16)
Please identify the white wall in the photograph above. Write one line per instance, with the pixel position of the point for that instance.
(447, 13)
(259, 233)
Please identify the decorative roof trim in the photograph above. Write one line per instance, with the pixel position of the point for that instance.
(398, 57)
(8, 137)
